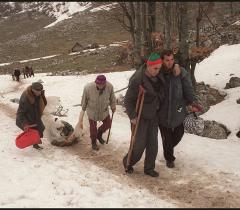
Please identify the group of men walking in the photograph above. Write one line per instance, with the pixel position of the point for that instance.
(167, 91)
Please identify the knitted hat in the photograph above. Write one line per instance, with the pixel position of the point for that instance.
(100, 80)
(154, 59)
(37, 86)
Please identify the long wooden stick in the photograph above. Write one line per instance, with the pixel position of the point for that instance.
(135, 128)
(110, 128)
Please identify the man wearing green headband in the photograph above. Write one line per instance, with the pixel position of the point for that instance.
(147, 132)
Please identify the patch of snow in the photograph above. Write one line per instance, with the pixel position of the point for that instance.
(114, 45)
(66, 10)
(74, 53)
(5, 64)
(104, 7)
(89, 50)
(237, 23)
(217, 68)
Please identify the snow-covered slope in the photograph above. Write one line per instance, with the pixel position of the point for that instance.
(207, 171)
(216, 70)
(60, 10)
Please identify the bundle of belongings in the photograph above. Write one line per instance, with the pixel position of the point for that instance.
(59, 132)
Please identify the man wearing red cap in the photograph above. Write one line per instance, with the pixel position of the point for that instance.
(96, 98)
(147, 132)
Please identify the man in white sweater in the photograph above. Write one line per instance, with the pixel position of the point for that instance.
(96, 99)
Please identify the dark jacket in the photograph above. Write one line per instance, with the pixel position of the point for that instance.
(152, 97)
(30, 110)
(179, 93)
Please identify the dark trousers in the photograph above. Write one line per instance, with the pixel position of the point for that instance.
(96, 133)
(170, 138)
(146, 138)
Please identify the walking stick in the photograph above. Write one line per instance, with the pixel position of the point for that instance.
(138, 109)
(110, 128)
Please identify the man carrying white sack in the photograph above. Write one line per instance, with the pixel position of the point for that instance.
(96, 98)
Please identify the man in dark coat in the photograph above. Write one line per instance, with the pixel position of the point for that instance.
(179, 93)
(147, 133)
(31, 105)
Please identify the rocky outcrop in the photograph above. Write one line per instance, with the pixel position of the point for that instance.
(238, 134)
(208, 96)
(233, 82)
(215, 130)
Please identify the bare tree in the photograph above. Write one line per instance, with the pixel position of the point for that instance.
(183, 35)
(128, 24)
(137, 35)
(151, 7)
(168, 23)
(144, 27)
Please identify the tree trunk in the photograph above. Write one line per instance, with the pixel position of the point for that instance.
(137, 32)
(231, 8)
(132, 14)
(144, 27)
(193, 66)
(198, 20)
(183, 36)
(168, 23)
(151, 24)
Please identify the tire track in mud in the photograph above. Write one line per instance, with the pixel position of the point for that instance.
(183, 188)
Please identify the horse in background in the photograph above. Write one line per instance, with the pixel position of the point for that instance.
(16, 75)
(28, 72)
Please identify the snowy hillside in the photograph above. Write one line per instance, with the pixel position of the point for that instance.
(216, 71)
(60, 10)
(207, 171)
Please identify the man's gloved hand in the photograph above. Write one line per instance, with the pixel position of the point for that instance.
(26, 127)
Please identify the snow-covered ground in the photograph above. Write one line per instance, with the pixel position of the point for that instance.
(207, 171)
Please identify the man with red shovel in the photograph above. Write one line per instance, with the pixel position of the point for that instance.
(31, 105)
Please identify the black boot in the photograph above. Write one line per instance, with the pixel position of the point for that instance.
(128, 169)
(100, 139)
(170, 164)
(151, 173)
(94, 145)
(36, 146)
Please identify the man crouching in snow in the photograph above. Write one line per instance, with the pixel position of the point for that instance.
(31, 105)
(97, 96)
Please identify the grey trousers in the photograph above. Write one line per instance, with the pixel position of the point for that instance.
(146, 138)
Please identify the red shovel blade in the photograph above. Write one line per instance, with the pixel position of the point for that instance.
(28, 138)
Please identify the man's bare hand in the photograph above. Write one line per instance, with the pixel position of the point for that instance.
(134, 121)
(176, 70)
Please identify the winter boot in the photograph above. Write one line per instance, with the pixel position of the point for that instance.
(94, 145)
(151, 173)
(100, 139)
(36, 146)
(128, 169)
(170, 164)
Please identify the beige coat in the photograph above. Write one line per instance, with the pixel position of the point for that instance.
(95, 104)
